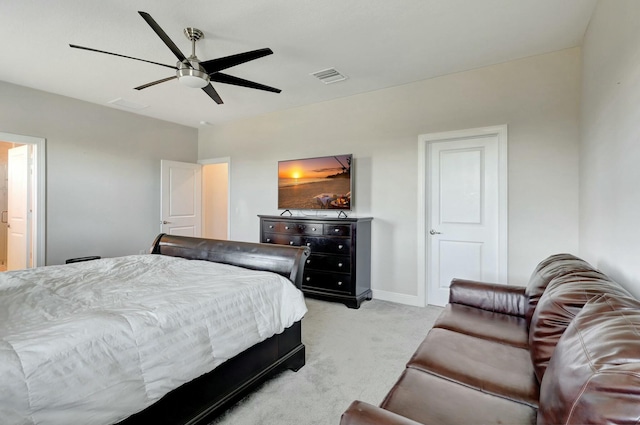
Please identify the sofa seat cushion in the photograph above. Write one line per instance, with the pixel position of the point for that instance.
(564, 298)
(430, 399)
(503, 328)
(487, 366)
(361, 413)
(594, 374)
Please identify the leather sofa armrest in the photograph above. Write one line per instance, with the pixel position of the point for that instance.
(361, 413)
(506, 299)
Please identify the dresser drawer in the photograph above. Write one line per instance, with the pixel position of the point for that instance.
(328, 281)
(337, 230)
(292, 228)
(331, 263)
(328, 245)
(311, 229)
(282, 239)
(279, 227)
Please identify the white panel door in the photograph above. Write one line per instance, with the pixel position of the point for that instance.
(464, 225)
(18, 235)
(181, 198)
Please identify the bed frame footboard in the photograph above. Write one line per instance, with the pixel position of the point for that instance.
(203, 399)
(198, 402)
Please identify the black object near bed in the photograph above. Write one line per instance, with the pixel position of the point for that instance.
(201, 400)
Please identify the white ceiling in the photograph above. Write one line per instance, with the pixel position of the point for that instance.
(376, 43)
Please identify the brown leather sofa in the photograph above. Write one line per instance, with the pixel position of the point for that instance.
(565, 349)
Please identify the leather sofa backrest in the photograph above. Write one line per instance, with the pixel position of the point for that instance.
(565, 296)
(553, 266)
(594, 375)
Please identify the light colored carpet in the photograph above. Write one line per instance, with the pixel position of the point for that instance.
(350, 354)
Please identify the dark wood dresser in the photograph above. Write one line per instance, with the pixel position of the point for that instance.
(339, 267)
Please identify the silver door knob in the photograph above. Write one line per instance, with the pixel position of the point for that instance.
(166, 222)
(433, 232)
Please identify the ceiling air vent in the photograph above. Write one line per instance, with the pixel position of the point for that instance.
(123, 103)
(329, 76)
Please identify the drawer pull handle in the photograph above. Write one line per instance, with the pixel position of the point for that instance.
(308, 261)
(308, 279)
(339, 264)
(271, 226)
(308, 243)
(340, 246)
(268, 240)
(313, 228)
(286, 227)
(340, 283)
(336, 230)
(290, 242)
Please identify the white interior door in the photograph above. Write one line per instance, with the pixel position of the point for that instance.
(467, 212)
(181, 198)
(18, 227)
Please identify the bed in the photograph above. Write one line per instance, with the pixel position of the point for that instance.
(114, 341)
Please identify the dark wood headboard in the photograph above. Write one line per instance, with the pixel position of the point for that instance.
(287, 261)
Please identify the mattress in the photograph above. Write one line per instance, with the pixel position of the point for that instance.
(94, 342)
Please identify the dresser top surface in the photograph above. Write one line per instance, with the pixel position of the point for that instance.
(316, 218)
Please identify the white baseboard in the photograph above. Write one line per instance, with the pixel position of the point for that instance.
(395, 297)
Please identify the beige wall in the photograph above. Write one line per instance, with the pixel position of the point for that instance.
(536, 97)
(610, 145)
(103, 170)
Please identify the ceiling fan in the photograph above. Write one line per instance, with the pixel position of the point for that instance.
(191, 71)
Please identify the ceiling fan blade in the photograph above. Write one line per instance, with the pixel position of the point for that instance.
(153, 83)
(163, 35)
(230, 79)
(215, 65)
(122, 56)
(208, 89)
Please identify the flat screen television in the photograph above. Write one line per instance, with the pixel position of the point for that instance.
(315, 183)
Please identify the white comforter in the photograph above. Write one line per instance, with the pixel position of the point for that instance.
(94, 342)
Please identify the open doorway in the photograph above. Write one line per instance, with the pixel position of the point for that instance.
(22, 202)
(215, 198)
(4, 201)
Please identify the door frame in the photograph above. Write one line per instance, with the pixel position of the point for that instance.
(38, 216)
(424, 195)
(222, 160)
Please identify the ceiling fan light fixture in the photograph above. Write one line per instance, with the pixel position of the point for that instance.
(193, 82)
(191, 77)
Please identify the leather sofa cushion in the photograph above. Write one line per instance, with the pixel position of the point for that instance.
(544, 272)
(429, 399)
(564, 298)
(361, 413)
(498, 298)
(487, 366)
(594, 375)
(503, 328)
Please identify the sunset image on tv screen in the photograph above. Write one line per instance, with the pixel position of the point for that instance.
(314, 183)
